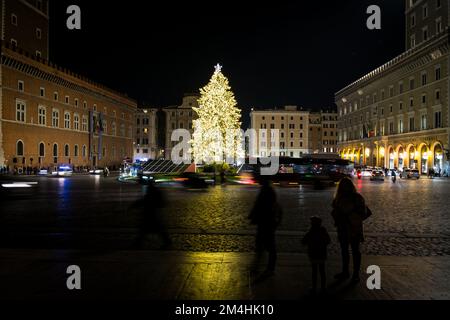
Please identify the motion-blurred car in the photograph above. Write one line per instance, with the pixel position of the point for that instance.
(191, 180)
(63, 171)
(414, 174)
(364, 173)
(404, 174)
(42, 172)
(96, 171)
(377, 175)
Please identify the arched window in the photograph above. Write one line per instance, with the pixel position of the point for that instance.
(41, 149)
(75, 151)
(55, 150)
(19, 148)
(66, 150)
(83, 152)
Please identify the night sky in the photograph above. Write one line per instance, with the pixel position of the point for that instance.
(286, 52)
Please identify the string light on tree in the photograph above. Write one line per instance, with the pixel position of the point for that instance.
(217, 135)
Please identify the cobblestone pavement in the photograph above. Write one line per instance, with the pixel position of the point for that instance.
(411, 218)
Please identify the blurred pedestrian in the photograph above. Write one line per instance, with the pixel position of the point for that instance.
(105, 172)
(317, 240)
(151, 221)
(349, 212)
(266, 215)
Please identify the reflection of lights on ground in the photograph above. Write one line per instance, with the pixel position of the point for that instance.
(16, 185)
(19, 184)
(359, 184)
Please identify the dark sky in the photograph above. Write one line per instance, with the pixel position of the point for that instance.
(283, 52)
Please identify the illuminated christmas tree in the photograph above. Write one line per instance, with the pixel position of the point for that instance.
(217, 135)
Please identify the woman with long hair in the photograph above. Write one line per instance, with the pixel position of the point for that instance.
(349, 212)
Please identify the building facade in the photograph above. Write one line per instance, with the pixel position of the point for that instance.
(179, 117)
(301, 132)
(146, 135)
(398, 115)
(50, 116)
(323, 132)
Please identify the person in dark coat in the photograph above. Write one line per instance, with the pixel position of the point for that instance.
(266, 215)
(151, 221)
(317, 239)
(349, 212)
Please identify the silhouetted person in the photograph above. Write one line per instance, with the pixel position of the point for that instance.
(349, 212)
(266, 215)
(150, 213)
(317, 240)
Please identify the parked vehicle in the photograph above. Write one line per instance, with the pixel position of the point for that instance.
(414, 174)
(377, 175)
(96, 171)
(405, 173)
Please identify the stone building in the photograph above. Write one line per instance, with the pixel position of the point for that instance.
(179, 117)
(301, 132)
(146, 134)
(397, 115)
(50, 116)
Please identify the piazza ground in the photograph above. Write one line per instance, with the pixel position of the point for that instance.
(88, 219)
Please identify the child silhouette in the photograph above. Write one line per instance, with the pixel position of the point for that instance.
(317, 240)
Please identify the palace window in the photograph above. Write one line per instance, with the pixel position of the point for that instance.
(438, 119)
(21, 86)
(413, 41)
(20, 111)
(42, 115)
(424, 99)
(437, 73)
(13, 19)
(55, 96)
(75, 151)
(400, 126)
(83, 151)
(424, 78)
(411, 84)
(67, 120)
(438, 95)
(411, 124)
(84, 126)
(41, 149)
(439, 25)
(55, 118)
(423, 122)
(38, 33)
(425, 11)
(113, 128)
(425, 33)
(76, 122)
(19, 148)
(42, 92)
(66, 150)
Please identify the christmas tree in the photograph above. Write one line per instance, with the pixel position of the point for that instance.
(217, 135)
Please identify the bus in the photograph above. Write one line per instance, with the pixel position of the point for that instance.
(306, 169)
